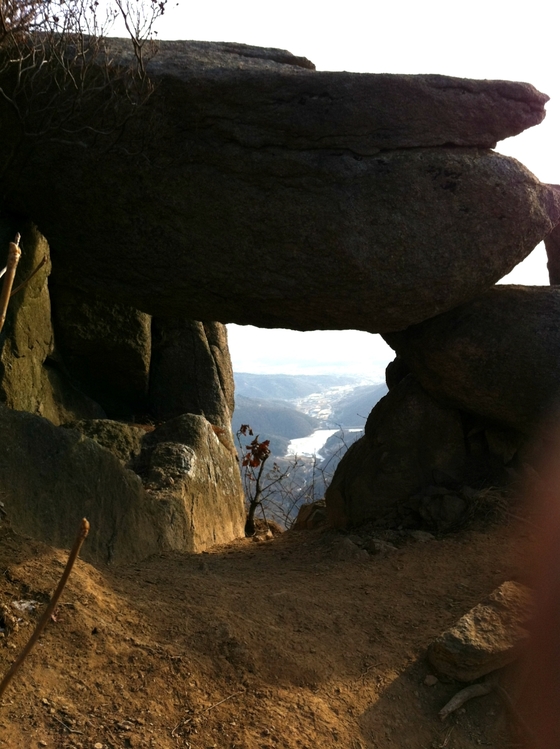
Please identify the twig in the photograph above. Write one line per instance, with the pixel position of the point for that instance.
(445, 741)
(14, 254)
(28, 279)
(80, 538)
(466, 694)
(70, 730)
(366, 671)
(206, 710)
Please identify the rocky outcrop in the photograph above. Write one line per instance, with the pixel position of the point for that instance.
(193, 475)
(96, 467)
(496, 356)
(255, 189)
(137, 367)
(52, 477)
(486, 638)
(188, 499)
(492, 366)
(423, 463)
(272, 194)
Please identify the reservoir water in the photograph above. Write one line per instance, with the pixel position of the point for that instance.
(311, 445)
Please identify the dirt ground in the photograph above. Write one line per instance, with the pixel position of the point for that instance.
(279, 644)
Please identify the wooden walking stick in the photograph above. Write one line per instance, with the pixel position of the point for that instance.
(14, 254)
(80, 538)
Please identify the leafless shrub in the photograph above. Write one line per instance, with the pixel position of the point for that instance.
(280, 490)
(58, 75)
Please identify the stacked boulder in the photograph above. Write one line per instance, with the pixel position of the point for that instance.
(257, 190)
(472, 392)
(469, 390)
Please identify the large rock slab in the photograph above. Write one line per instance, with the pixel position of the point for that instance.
(267, 97)
(487, 637)
(271, 194)
(496, 356)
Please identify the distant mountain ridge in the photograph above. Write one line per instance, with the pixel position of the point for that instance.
(287, 387)
(279, 407)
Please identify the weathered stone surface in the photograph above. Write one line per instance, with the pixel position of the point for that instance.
(415, 232)
(216, 335)
(190, 371)
(52, 477)
(123, 440)
(268, 97)
(408, 436)
(196, 483)
(106, 347)
(496, 356)
(486, 638)
(262, 195)
(31, 378)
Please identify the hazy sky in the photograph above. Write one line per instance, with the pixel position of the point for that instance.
(480, 39)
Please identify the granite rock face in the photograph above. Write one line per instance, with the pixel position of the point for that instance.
(271, 194)
(268, 97)
(96, 352)
(254, 189)
(496, 356)
(493, 362)
(422, 463)
(68, 477)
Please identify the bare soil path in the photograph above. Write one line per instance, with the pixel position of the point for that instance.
(253, 646)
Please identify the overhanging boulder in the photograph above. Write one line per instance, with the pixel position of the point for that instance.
(272, 194)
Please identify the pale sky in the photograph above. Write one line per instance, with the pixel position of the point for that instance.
(494, 39)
